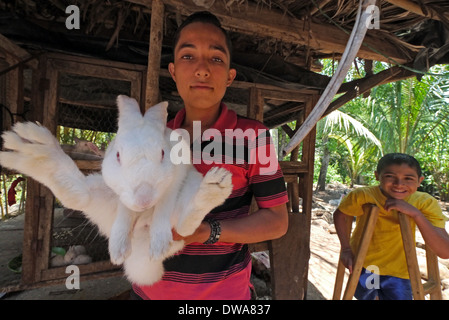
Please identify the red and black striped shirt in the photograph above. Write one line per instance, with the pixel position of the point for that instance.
(222, 270)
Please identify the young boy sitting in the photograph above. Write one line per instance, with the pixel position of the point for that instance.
(399, 177)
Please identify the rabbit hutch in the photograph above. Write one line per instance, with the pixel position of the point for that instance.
(67, 76)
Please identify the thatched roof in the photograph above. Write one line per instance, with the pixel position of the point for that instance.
(275, 41)
(298, 31)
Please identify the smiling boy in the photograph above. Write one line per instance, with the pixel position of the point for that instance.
(399, 177)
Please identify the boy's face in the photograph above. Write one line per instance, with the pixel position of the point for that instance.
(201, 67)
(398, 181)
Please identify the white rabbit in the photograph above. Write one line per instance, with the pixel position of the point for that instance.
(140, 195)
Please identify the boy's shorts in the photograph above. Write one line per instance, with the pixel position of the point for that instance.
(384, 287)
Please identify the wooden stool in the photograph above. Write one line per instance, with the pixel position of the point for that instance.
(432, 286)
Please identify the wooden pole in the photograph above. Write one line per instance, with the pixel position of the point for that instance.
(410, 255)
(368, 230)
(154, 54)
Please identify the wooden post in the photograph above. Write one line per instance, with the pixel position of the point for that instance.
(368, 230)
(433, 284)
(256, 102)
(154, 54)
(410, 254)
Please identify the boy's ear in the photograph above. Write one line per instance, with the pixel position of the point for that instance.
(376, 175)
(421, 179)
(231, 76)
(171, 69)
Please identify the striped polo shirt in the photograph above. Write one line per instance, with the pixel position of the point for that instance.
(222, 270)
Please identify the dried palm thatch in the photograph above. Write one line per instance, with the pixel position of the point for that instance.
(297, 31)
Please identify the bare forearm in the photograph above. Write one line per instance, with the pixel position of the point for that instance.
(436, 238)
(262, 225)
(340, 222)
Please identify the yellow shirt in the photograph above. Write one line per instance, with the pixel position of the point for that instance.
(386, 250)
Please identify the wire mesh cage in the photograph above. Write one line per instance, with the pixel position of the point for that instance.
(86, 122)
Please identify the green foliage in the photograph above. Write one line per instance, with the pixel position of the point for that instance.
(409, 116)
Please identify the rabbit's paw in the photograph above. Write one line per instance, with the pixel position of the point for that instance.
(215, 187)
(34, 150)
(119, 249)
(160, 244)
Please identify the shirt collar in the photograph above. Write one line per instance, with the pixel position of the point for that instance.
(226, 120)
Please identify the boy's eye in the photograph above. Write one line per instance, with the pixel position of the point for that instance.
(217, 60)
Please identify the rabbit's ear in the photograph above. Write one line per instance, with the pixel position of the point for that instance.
(158, 112)
(129, 110)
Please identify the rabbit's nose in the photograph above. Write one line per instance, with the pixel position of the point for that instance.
(144, 196)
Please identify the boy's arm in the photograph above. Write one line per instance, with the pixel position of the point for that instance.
(341, 226)
(264, 224)
(436, 238)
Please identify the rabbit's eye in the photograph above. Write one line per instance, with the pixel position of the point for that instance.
(163, 153)
(118, 157)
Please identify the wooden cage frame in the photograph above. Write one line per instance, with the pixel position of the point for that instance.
(289, 255)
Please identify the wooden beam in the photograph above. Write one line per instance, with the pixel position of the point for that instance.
(16, 52)
(361, 86)
(254, 20)
(154, 54)
(256, 103)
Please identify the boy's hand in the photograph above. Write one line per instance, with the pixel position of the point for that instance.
(347, 258)
(402, 206)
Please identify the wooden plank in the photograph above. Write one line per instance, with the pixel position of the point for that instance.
(433, 275)
(256, 20)
(368, 229)
(93, 267)
(256, 103)
(288, 264)
(44, 233)
(154, 55)
(96, 62)
(339, 278)
(362, 86)
(40, 284)
(259, 246)
(88, 67)
(16, 52)
(285, 95)
(29, 252)
(293, 167)
(410, 254)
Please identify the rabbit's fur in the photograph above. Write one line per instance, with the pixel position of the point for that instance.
(140, 195)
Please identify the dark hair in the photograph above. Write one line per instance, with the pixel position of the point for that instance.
(204, 17)
(398, 158)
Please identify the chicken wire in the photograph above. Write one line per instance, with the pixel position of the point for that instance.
(86, 109)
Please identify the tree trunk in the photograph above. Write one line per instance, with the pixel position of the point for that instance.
(321, 185)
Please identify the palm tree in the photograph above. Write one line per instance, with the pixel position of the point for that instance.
(407, 114)
(358, 140)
